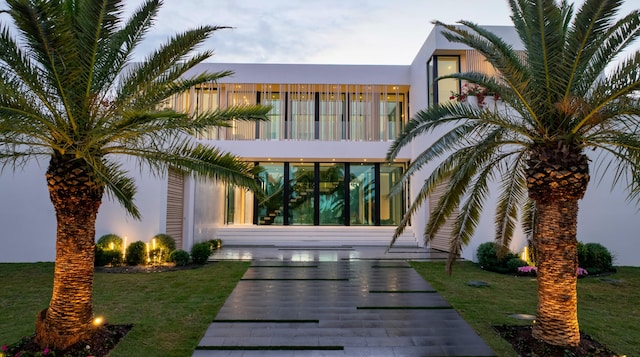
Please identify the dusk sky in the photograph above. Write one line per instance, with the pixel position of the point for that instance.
(323, 31)
(320, 31)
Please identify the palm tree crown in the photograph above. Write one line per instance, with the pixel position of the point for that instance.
(558, 101)
(71, 93)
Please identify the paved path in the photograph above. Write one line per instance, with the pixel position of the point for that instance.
(337, 308)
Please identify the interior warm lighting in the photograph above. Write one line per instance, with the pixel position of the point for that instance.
(98, 321)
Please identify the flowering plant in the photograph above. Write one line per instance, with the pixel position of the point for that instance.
(469, 89)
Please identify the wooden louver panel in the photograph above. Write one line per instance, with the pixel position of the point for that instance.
(175, 206)
(440, 241)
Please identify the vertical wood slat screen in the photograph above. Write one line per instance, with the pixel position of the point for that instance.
(175, 206)
(440, 241)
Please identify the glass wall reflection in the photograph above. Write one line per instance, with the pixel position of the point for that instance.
(301, 196)
(300, 193)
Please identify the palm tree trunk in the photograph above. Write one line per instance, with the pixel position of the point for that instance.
(76, 199)
(556, 252)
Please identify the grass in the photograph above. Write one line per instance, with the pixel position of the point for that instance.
(610, 313)
(170, 310)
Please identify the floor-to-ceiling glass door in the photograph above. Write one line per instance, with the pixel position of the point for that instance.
(331, 194)
(301, 193)
(362, 195)
(271, 207)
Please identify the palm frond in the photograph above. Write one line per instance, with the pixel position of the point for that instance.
(117, 184)
(513, 193)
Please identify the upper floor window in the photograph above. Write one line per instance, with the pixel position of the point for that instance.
(438, 66)
(304, 112)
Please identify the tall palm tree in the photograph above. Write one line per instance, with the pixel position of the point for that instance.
(70, 93)
(559, 103)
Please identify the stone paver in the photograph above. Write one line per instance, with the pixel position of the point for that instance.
(337, 308)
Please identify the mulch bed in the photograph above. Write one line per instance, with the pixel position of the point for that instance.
(100, 344)
(527, 346)
(157, 268)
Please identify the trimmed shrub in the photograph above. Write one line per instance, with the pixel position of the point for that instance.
(488, 259)
(215, 244)
(136, 253)
(180, 257)
(514, 263)
(200, 252)
(595, 258)
(165, 246)
(107, 257)
(110, 242)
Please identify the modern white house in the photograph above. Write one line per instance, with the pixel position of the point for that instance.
(324, 173)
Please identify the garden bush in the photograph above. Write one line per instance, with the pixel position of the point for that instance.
(180, 257)
(105, 242)
(107, 257)
(488, 259)
(514, 263)
(136, 253)
(200, 252)
(595, 258)
(165, 246)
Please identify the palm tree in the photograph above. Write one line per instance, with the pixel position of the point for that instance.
(559, 103)
(70, 93)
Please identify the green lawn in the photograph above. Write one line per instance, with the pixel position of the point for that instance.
(610, 313)
(170, 311)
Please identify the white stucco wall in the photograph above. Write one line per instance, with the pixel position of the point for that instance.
(27, 217)
(28, 221)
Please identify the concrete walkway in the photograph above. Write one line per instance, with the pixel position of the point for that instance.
(337, 307)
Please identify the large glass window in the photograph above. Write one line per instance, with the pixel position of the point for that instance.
(446, 65)
(302, 116)
(242, 130)
(332, 107)
(301, 193)
(323, 194)
(391, 116)
(332, 194)
(390, 207)
(273, 128)
(271, 208)
(359, 111)
(362, 195)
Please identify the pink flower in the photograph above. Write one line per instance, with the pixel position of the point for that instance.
(46, 351)
(4, 348)
(527, 270)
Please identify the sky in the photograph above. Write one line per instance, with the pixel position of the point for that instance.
(319, 31)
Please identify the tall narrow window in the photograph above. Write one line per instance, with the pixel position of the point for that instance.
(301, 193)
(391, 208)
(302, 114)
(242, 130)
(430, 82)
(272, 128)
(391, 116)
(360, 113)
(332, 194)
(362, 195)
(444, 88)
(271, 208)
(332, 116)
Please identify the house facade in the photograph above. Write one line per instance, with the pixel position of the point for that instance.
(323, 169)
